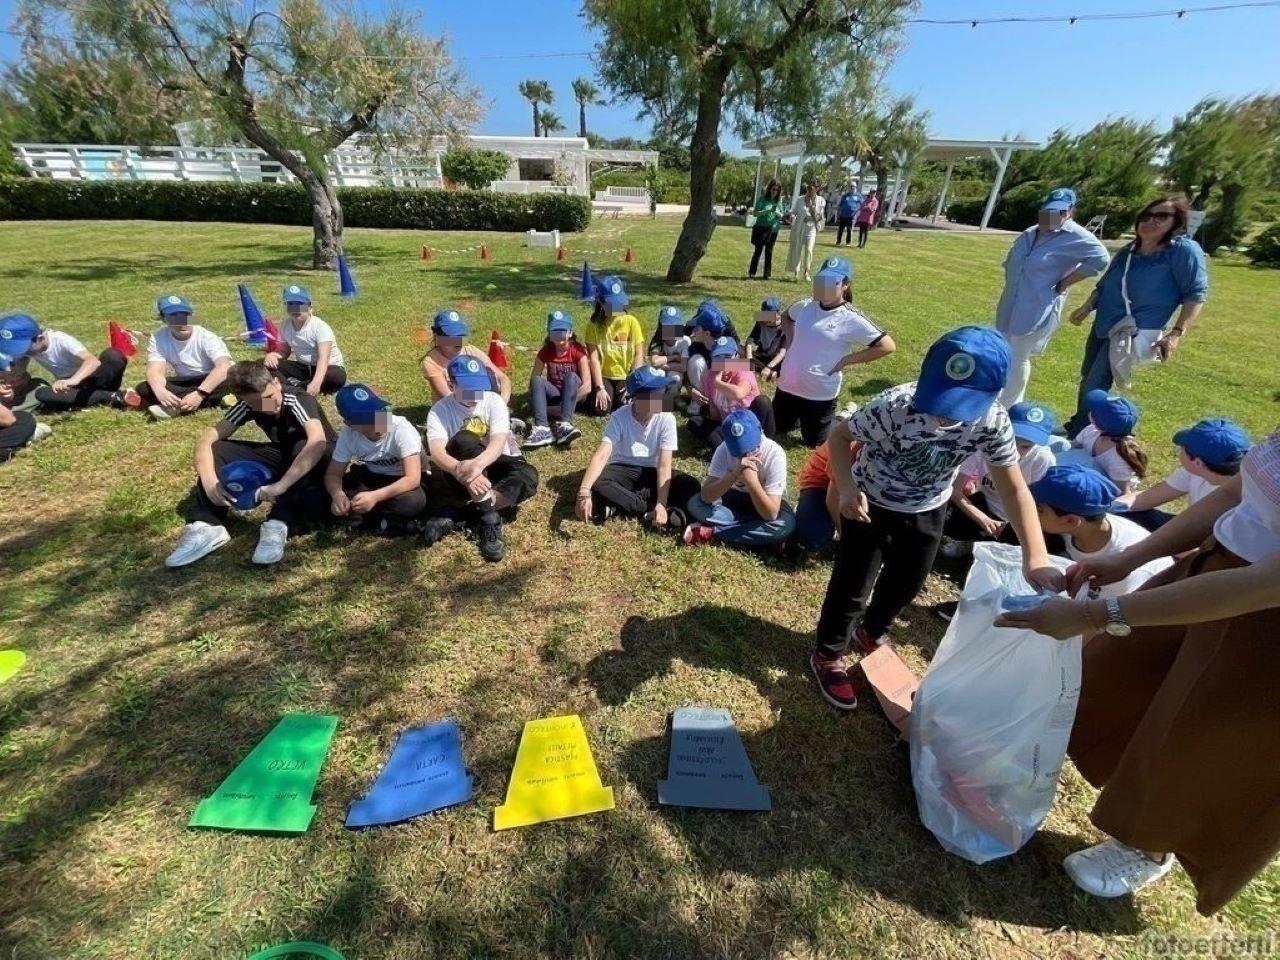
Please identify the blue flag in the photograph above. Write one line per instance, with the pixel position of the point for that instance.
(708, 766)
(425, 772)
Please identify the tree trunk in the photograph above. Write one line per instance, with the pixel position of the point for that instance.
(582, 119)
(882, 184)
(704, 149)
(326, 220)
(1223, 229)
(535, 118)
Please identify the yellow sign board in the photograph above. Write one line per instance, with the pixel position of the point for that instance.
(554, 777)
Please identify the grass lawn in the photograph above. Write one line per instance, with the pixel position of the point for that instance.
(145, 687)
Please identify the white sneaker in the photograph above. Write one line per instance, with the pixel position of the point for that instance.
(518, 427)
(198, 539)
(43, 432)
(1112, 869)
(955, 549)
(847, 411)
(271, 538)
(540, 436)
(158, 412)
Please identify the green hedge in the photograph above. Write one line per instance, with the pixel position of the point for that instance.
(1018, 208)
(1265, 249)
(45, 199)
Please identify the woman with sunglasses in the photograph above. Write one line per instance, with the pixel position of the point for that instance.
(1161, 271)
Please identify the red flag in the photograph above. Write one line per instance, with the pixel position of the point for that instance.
(120, 339)
(274, 340)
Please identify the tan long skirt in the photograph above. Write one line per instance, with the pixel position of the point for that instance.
(1180, 729)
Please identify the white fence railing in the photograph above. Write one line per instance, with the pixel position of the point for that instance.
(623, 195)
(528, 186)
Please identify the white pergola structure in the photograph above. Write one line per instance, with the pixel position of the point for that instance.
(935, 148)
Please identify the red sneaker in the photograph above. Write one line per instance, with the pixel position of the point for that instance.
(696, 534)
(867, 643)
(833, 680)
(131, 399)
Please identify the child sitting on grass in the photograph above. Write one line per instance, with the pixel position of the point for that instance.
(743, 502)
(630, 474)
(729, 384)
(561, 379)
(469, 439)
(375, 476)
(79, 378)
(669, 351)
(309, 358)
(818, 506)
(1209, 454)
(615, 346)
(1108, 440)
(199, 359)
(708, 325)
(768, 340)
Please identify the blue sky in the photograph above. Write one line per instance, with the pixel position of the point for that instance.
(977, 83)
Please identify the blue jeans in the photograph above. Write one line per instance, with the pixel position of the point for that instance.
(1095, 374)
(814, 529)
(542, 391)
(736, 521)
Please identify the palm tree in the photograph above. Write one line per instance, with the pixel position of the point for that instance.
(551, 122)
(536, 92)
(586, 93)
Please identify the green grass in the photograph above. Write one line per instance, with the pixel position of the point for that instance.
(144, 686)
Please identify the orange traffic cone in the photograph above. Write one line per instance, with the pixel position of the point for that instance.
(629, 257)
(498, 352)
(426, 252)
(484, 251)
(560, 255)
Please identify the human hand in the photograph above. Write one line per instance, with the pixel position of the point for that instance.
(59, 386)
(853, 504)
(363, 502)
(1079, 314)
(271, 360)
(582, 509)
(478, 486)
(271, 492)
(167, 398)
(602, 399)
(1057, 617)
(341, 505)
(1098, 572)
(217, 496)
(657, 516)
(313, 388)
(991, 527)
(1046, 579)
(1167, 344)
(191, 402)
(465, 471)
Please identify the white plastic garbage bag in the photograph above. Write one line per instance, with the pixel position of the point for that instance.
(991, 720)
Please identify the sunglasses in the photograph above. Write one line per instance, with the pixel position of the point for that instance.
(1155, 215)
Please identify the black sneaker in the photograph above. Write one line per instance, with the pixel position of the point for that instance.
(677, 519)
(435, 529)
(489, 536)
(603, 511)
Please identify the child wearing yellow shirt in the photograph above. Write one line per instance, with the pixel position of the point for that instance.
(615, 346)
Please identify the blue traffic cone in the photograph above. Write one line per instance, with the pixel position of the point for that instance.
(346, 286)
(588, 288)
(253, 320)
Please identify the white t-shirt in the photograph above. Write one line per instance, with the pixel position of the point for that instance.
(908, 462)
(678, 349)
(1034, 464)
(1109, 462)
(487, 416)
(386, 454)
(637, 444)
(1196, 488)
(192, 357)
(773, 467)
(304, 344)
(1124, 533)
(61, 358)
(1251, 530)
(819, 339)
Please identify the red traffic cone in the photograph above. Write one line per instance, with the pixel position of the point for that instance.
(629, 257)
(426, 252)
(498, 352)
(560, 254)
(484, 251)
(120, 339)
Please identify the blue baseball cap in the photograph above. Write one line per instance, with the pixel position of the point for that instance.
(241, 479)
(469, 373)
(963, 373)
(1032, 422)
(449, 323)
(771, 303)
(1113, 416)
(742, 433)
(296, 294)
(358, 403)
(669, 315)
(611, 292)
(644, 379)
(723, 348)
(710, 317)
(1216, 441)
(1075, 488)
(17, 330)
(559, 322)
(1059, 200)
(836, 268)
(172, 303)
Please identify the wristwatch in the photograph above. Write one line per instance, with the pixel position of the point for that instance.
(204, 393)
(1116, 625)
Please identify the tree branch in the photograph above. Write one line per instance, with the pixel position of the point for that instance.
(171, 28)
(338, 133)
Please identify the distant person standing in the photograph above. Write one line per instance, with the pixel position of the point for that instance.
(1042, 264)
(808, 217)
(846, 209)
(769, 211)
(866, 217)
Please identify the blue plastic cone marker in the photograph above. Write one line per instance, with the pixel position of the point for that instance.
(424, 773)
(346, 286)
(708, 766)
(587, 291)
(253, 320)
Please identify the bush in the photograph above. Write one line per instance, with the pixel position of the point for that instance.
(1265, 249)
(1018, 208)
(389, 207)
(474, 168)
(670, 186)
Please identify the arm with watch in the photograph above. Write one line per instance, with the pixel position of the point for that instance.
(583, 506)
(212, 381)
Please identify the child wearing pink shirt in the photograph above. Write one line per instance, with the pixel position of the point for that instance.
(729, 384)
